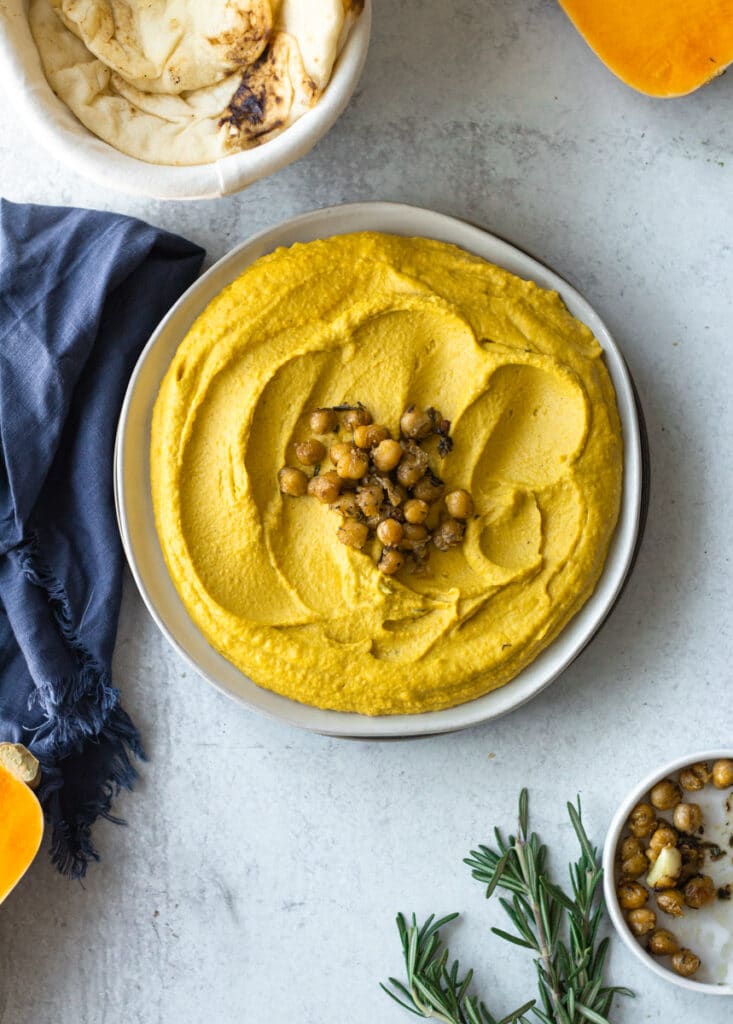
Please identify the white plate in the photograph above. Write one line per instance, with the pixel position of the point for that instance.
(135, 508)
(55, 127)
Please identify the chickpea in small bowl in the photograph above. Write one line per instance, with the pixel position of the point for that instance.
(668, 872)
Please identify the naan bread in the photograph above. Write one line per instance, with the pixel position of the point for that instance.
(233, 111)
(316, 24)
(171, 46)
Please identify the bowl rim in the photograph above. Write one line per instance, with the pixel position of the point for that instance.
(609, 857)
(403, 220)
(56, 128)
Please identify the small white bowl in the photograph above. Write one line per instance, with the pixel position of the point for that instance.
(56, 128)
(135, 507)
(609, 882)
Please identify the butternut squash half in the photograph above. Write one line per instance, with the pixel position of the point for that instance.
(21, 817)
(660, 47)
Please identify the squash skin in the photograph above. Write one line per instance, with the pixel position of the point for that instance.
(21, 830)
(664, 48)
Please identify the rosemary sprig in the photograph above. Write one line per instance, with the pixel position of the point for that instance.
(433, 989)
(560, 929)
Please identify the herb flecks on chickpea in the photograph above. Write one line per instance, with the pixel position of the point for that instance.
(632, 895)
(370, 436)
(672, 902)
(391, 561)
(700, 891)
(686, 963)
(642, 921)
(353, 465)
(326, 488)
(634, 866)
(665, 795)
(695, 777)
(352, 533)
(416, 423)
(662, 943)
(384, 488)
(310, 453)
(642, 820)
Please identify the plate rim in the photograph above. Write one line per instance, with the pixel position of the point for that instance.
(340, 219)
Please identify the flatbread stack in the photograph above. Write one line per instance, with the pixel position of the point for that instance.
(189, 81)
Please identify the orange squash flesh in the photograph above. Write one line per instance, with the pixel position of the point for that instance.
(21, 830)
(660, 47)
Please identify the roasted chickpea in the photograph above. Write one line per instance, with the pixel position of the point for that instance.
(634, 866)
(347, 505)
(686, 963)
(631, 895)
(687, 817)
(642, 820)
(309, 453)
(353, 466)
(292, 481)
(386, 455)
(699, 891)
(459, 504)
(661, 837)
(723, 773)
(642, 921)
(353, 533)
(429, 489)
(413, 466)
(325, 487)
(337, 451)
(370, 436)
(370, 498)
(415, 423)
(695, 777)
(415, 535)
(630, 846)
(323, 421)
(662, 943)
(391, 561)
(358, 417)
(449, 534)
(416, 511)
(389, 533)
(665, 795)
(672, 902)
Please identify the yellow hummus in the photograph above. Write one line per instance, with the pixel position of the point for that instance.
(386, 321)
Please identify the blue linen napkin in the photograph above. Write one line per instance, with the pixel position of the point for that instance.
(80, 293)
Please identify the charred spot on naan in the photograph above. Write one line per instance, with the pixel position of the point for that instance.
(263, 100)
(244, 43)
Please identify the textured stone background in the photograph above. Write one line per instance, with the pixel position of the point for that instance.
(261, 869)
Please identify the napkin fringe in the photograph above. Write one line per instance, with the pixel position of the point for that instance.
(80, 708)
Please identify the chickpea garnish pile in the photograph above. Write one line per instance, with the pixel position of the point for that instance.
(382, 487)
(665, 858)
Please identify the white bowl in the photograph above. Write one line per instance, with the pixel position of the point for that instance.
(135, 509)
(56, 128)
(609, 885)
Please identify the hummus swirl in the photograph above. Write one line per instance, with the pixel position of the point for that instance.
(387, 321)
